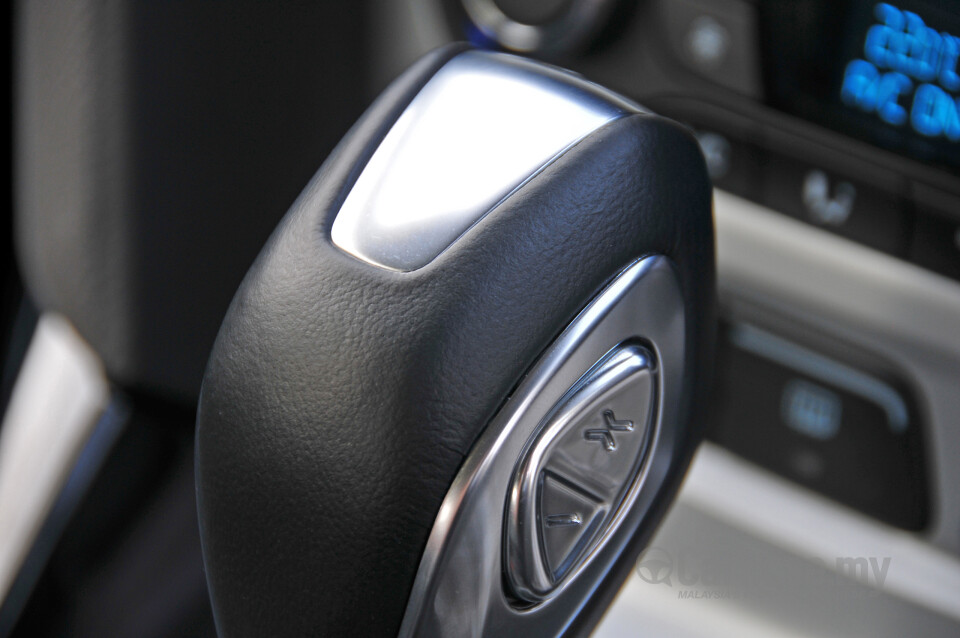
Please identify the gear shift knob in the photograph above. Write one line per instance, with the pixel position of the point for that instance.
(461, 384)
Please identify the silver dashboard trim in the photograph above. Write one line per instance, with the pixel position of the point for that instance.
(60, 393)
(481, 127)
(774, 348)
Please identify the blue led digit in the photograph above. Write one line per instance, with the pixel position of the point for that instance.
(923, 49)
(889, 15)
(881, 45)
(935, 112)
(860, 85)
(923, 112)
(948, 63)
(892, 86)
(884, 43)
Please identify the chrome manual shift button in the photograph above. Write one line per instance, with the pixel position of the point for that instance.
(568, 520)
(576, 470)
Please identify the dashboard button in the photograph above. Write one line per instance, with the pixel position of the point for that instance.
(870, 211)
(717, 39)
(568, 518)
(577, 471)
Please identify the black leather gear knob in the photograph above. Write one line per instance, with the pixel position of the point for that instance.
(407, 301)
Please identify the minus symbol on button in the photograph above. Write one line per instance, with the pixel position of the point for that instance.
(563, 520)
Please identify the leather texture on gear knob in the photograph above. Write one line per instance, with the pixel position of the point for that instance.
(341, 398)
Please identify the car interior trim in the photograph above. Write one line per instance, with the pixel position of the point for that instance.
(769, 346)
(773, 508)
(395, 215)
(59, 395)
(866, 298)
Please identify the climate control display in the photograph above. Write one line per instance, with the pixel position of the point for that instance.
(907, 75)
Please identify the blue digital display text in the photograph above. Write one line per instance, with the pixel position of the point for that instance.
(908, 75)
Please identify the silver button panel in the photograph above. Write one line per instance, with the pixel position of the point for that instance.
(576, 470)
(462, 587)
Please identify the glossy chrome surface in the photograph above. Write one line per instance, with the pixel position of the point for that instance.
(570, 29)
(482, 126)
(576, 471)
(60, 393)
(796, 357)
(459, 588)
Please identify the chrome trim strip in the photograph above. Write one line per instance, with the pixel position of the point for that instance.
(481, 127)
(108, 429)
(59, 395)
(791, 355)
